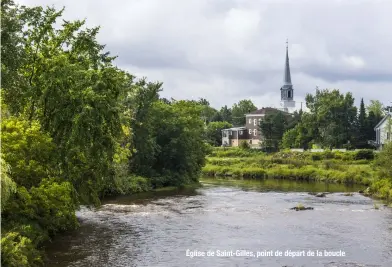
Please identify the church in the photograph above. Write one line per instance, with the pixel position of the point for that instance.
(250, 131)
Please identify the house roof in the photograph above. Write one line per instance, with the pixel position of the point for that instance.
(235, 128)
(265, 111)
(382, 121)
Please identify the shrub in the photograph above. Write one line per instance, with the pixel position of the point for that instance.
(244, 145)
(316, 156)
(364, 154)
(18, 250)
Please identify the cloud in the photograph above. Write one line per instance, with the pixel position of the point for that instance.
(228, 50)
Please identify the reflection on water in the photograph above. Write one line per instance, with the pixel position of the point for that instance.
(156, 230)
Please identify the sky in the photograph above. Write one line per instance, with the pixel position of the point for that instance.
(229, 50)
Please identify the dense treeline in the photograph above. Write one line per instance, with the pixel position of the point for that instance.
(75, 128)
(331, 121)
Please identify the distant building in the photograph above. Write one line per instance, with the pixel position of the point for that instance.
(383, 131)
(250, 132)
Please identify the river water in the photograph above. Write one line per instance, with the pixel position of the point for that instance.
(231, 220)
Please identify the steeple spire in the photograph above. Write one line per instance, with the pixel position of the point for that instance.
(287, 90)
(287, 76)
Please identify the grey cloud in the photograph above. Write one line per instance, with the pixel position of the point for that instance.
(227, 50)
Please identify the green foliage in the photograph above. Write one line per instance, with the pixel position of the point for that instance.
(239, 110)
(169, 144)
(244, 145)
(330, 166)
(361, 127)
(213, 132)
(8, 186)
(272, 128)
(384, 160)
(18, 250)
(225, 114)
(28, 151)
(377, 108)
(31, 217)
(364, 154)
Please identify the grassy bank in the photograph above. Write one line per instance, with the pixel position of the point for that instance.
(352, 167)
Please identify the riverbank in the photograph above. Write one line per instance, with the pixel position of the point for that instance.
(352, 167)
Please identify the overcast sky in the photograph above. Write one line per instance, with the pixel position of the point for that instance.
(228, 50)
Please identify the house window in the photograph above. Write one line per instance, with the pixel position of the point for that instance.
(241, 132)
(255, 132)
(250, 141)
(250, 131)
(230, 133)
(250, 121)
(255, 122)
(224, 134)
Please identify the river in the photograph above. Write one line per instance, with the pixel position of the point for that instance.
(236, 223)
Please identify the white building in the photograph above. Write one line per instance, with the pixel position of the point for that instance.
(383, 131)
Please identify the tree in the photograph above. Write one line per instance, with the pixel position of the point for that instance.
(225, 114)
(371, 122)
(214, 132)
(180, 148)
(377, 108)
(208, 113)
(272, 128)
(334, 115)
(239, 110)
(361, 139)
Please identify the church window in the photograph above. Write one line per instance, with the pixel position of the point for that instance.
(289, 94)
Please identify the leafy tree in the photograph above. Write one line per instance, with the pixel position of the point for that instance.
(272, 128)
(180, 148)
(8, 186)
(68, 84)
(377, 108)
(225, 114)
(214, 132)
(29, 152)
(239, 110)
(334, 115)
(208, 113)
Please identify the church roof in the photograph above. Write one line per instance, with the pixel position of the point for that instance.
(287, 75)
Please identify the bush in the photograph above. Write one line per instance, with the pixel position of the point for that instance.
(316, 156)
(18, 250)
(364, 154)
(244, 145)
